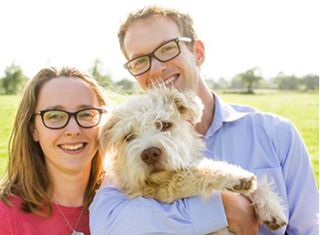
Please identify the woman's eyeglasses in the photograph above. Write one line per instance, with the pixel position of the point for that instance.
(58, 119)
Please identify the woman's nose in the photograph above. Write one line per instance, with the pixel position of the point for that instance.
(72, 128)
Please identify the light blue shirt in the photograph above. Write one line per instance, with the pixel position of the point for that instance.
(260, 142)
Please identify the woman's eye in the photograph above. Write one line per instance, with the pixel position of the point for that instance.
(54, 115)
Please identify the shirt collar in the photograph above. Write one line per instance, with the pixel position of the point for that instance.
(223, 112)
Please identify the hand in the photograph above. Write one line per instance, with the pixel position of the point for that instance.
(240, 214)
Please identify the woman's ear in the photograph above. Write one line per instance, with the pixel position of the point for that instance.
(35, 134)
(199, 52)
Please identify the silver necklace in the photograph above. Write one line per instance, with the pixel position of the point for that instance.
(74, 232)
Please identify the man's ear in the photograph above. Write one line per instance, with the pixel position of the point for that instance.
(199, 52)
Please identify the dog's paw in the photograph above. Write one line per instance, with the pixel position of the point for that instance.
(269, 207)
(274, 223)
(245, 184)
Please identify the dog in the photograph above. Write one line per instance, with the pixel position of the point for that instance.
(154, 151)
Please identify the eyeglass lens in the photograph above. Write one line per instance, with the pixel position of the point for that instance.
(59, 118)
(164, 53)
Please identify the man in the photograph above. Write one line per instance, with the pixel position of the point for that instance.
(161, 45)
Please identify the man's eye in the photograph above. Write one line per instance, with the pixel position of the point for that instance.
(168, 49)
(139, 62)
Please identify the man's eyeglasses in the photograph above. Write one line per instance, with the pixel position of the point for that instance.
(165, 52)
(58, 119)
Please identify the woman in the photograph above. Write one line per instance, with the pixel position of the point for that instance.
(54, 163)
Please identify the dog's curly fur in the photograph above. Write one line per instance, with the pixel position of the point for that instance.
(154, 151)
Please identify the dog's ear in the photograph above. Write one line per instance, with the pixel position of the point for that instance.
(189, 106)
(105, 136)
(187, 103)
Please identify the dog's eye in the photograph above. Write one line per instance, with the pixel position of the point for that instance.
(130, 137)
(163, 126)
(166, 126)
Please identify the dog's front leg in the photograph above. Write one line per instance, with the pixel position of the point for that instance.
(202, 179)
(216, 175)
(170, 186)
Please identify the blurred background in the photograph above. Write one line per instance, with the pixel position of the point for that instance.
(263, 53)
(276, 37)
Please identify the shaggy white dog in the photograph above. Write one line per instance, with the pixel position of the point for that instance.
(154, 151)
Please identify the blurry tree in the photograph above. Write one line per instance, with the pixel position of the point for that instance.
(236, 83)
(211, 84)
(287, 82)
(249, 77)
(103, 80)
(311, 82)
(14, 79)
(126, 86)
(1, 87)
(220, 84)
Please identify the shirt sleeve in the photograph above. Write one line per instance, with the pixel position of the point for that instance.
(111, 212)
(302, 192)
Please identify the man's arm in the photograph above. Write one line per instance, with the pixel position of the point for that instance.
(302, 193)
(112, 213)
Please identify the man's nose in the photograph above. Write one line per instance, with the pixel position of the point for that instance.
(157, 66)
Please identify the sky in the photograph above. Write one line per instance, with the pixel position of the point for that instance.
(274, 35)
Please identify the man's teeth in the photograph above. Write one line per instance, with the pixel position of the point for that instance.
(72, 147)
(169, 80)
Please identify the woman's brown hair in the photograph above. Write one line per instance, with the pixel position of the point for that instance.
(27, 175)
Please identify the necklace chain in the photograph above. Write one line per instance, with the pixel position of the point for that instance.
(65, 218)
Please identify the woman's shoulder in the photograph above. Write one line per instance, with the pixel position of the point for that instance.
(12, 201)
(13, 220)
(10, 207)
(9, 214)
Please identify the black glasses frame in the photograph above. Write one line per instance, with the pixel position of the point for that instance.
(152, 54)
(70, 114)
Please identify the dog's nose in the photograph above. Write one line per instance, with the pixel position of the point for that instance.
(151, 155)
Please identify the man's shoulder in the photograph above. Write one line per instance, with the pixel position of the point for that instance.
(258, 117)
(256, 114)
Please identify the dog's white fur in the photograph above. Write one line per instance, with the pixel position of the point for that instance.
(160, 126)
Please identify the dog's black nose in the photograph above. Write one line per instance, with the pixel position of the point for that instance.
(151, 155)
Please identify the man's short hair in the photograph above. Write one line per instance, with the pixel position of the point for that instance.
(183, 21)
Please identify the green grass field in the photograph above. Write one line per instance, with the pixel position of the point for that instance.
(301, 108)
